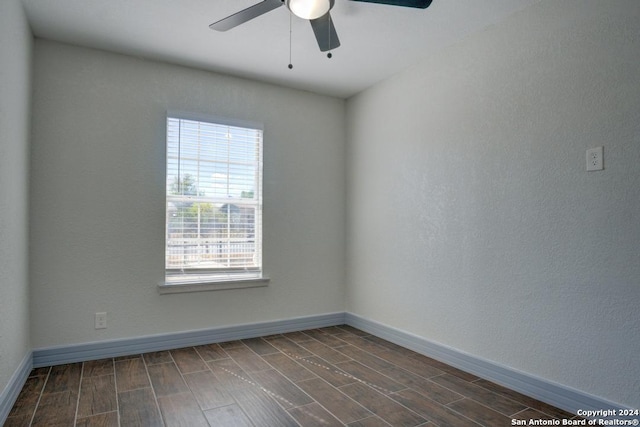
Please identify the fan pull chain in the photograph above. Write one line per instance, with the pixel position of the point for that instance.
(290, 31)
(329, 55)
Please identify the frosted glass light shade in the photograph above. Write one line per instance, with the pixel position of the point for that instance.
(309, 9)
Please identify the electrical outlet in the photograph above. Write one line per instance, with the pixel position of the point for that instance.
(101, 320)
(595, 161)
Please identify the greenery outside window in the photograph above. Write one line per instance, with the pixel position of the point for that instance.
(213, 202)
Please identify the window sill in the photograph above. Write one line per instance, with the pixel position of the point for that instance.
(178, 287)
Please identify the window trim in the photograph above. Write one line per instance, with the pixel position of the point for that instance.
(218, 285)
(207, 280)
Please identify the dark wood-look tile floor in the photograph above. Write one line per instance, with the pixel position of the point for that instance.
(336, 376)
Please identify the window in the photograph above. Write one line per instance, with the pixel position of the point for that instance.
(214, 202)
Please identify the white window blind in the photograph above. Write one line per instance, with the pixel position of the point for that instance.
(214, 202)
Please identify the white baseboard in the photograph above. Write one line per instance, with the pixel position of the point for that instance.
(122, 347)
(12, 390)
(558, 395)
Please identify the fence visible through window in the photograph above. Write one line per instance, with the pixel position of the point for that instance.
(214, 198)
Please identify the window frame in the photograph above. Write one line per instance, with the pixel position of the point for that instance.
(195, 280)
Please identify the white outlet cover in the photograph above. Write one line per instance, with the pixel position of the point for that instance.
(101, 321)
(595, 161)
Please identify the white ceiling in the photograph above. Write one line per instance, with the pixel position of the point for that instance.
(377, 40)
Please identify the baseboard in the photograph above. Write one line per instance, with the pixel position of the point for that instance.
(549, 392)
(560, 396)
(122, 347)
(12, 390)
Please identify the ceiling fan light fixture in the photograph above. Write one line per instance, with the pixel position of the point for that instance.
(309, 9)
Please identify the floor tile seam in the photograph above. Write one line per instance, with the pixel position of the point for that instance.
(132, 389)
(265, 354)
(342, 328)
(125, 358)
(272, 337)
(184, 380)
(345, 374)
(212, 360)
(369, 416)
(75, 417)
(387, 352)
(415, 370)
(425, 416)
(235, 344)
(461, 414)
(95, 376)
(307, 334)
(411, 383)
(464, 395)
(276, 396)
(241, 345)
(393, 365)
(322, 421)
(269, 354)
(389, 396)
(164, 363)
(530, 408)
(283, 350)
(520, 401)
(344, 397)
(255, 371)
(193, 372)
(221, 406)
(325, 359)
(336, 347)
(204, 345)
(153, 389)
(404, 386)
(81, 391)
(295, 383)
(466, 416)
(295, 341)
(323, 344)
(13, 411)
(96, 414)
(36, 376)
(336, 416)
(115, 386)
(547, 413)
(292, 382)
(256, 354)
(235, 403)
(35, 409)
(485, 404)
(311, 397)
(360, 347)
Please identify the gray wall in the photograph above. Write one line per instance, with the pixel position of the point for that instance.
(97, 200)
(15, 66)
(471, 219)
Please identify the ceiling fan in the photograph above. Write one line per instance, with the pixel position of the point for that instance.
(315, 11)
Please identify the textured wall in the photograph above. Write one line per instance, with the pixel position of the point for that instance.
(471, 219)
(15, 64)
(98, 182)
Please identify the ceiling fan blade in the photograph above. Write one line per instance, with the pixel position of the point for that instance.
(420, 4)
(325, 32)
(246, 15)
